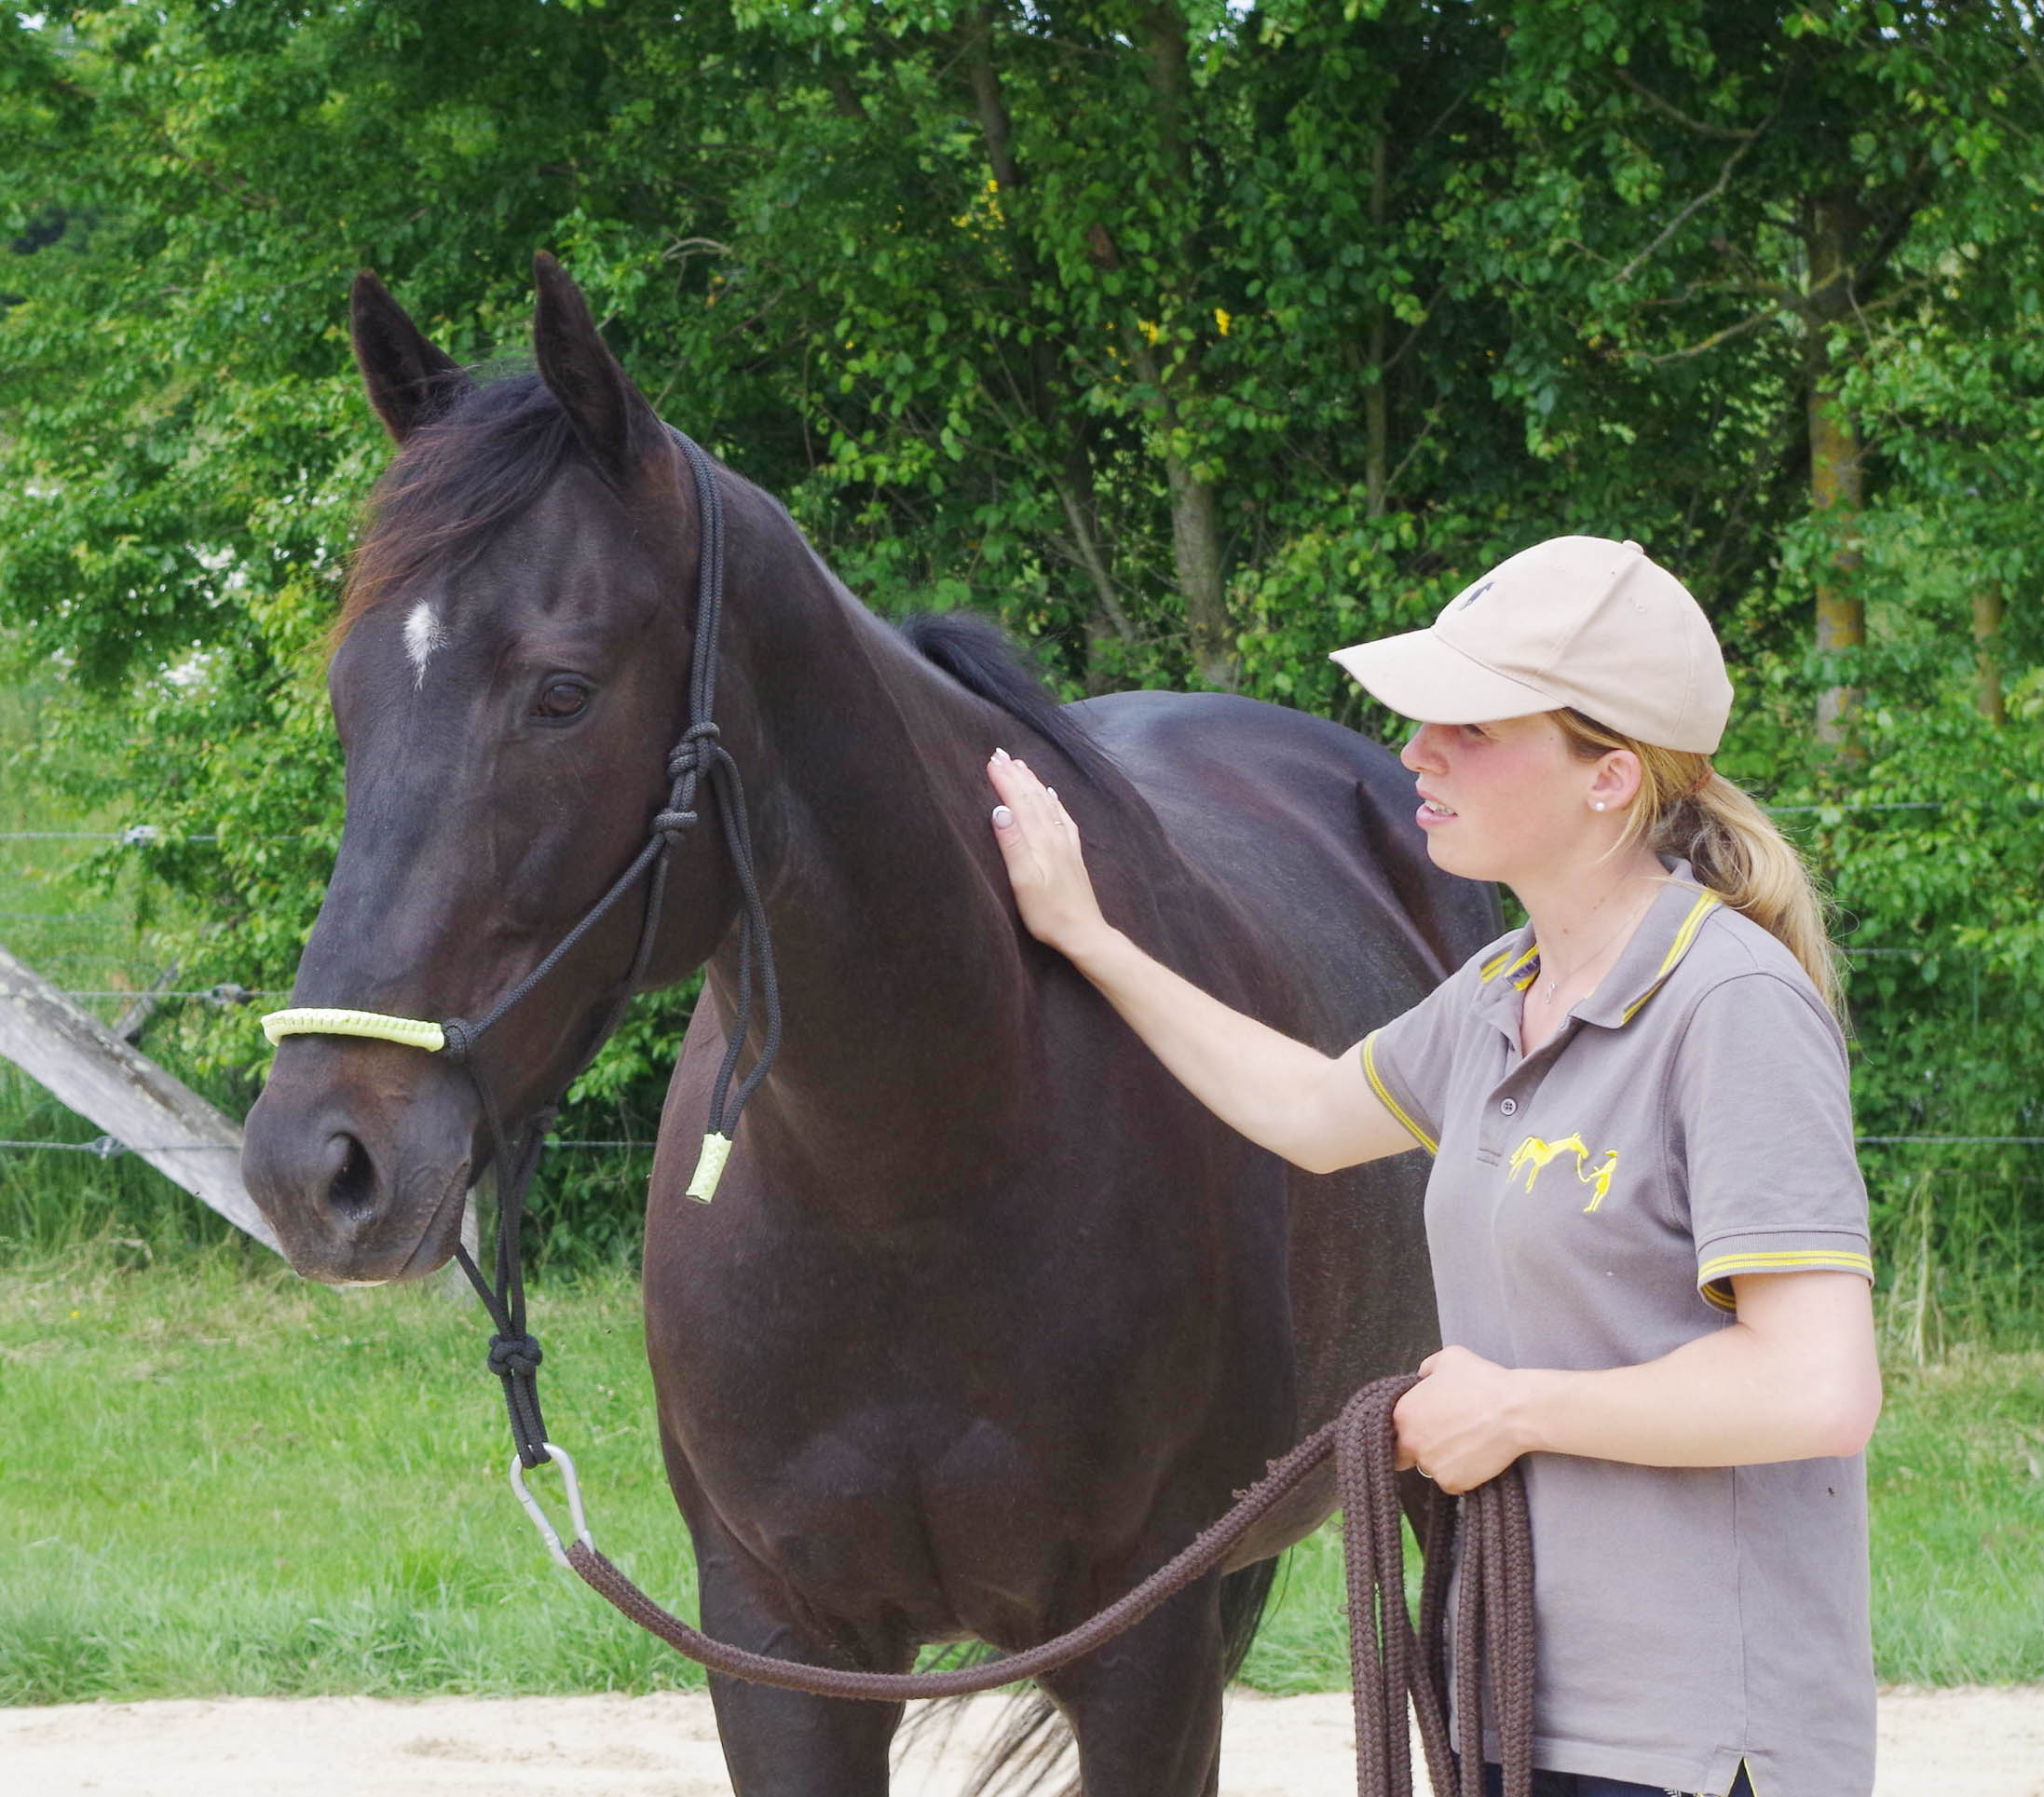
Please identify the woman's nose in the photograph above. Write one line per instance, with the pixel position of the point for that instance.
(1420, 749)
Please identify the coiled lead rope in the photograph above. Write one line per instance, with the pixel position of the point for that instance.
(1389, 1662)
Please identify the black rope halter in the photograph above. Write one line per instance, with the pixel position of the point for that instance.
(697, 762)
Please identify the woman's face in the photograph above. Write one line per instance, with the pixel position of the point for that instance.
(1510, 801)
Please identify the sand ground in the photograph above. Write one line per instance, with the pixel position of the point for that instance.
(1966, 1743)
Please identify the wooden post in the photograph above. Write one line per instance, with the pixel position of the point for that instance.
(1987, 641)
(1837, 476)
(127, 1094)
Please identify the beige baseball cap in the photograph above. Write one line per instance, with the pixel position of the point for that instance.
(1574, 621)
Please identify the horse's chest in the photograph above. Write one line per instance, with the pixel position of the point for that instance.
(900, 1510)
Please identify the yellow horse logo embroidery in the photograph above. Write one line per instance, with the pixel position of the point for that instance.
(1534, 1154)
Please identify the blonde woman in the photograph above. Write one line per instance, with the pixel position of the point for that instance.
(1647, 1224)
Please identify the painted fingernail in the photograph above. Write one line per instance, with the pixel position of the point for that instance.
(1002, 817)
(1052, 790)
(1002, 755)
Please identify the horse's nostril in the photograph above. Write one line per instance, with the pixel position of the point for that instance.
(352, 1191)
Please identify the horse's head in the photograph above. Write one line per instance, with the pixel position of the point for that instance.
(510, 677)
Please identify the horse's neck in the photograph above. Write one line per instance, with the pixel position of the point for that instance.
(903, 981)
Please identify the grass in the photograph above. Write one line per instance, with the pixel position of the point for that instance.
(221, 1480)
(1955, 1483)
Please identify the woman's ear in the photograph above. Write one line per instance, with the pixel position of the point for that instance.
(1616, 782)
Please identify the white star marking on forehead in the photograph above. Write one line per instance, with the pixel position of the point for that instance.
(423, 635)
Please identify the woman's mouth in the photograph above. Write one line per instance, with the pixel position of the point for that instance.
(1432, 811)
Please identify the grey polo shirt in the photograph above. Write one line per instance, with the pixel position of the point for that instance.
(1587, 1206)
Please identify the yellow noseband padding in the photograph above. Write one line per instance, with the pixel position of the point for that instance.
(717, 1150)
(411, 1032)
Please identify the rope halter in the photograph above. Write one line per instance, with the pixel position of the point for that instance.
(697, 758)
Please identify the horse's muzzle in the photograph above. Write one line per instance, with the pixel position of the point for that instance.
(361, 1155)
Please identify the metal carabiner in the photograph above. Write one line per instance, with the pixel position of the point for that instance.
(538, 1517)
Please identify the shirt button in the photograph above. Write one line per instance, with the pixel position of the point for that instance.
(1508, 1106)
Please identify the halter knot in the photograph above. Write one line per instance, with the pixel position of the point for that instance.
(514, 1354)
(673, 825)
(694, 752)
(458, 1040)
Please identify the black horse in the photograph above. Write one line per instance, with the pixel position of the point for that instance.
(988, 1316)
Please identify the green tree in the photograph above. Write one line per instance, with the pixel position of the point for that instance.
(1190, 339)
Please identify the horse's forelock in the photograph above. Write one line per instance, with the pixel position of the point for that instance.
(458, 480)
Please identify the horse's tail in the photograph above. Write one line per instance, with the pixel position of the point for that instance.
(1244, 1597)
(1034, 1746)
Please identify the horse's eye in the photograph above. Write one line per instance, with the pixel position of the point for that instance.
(561, 699)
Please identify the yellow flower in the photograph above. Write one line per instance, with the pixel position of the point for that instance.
(1150, 332)
(1223, 320)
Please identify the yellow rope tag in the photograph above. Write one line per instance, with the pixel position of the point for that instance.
(717, 1150)
(411, 1032)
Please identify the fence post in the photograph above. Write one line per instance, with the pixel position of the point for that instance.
(90, 1069)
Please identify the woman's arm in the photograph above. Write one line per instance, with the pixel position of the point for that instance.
(1795, 1378)
(1316, 1110)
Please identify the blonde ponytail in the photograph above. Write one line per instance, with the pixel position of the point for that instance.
(1685, 808)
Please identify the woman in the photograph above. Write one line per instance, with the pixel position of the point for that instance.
(1647, 1224)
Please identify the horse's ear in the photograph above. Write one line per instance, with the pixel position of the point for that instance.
(610, 417)
(410, 379)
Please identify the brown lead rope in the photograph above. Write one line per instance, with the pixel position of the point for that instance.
(1493, 1638)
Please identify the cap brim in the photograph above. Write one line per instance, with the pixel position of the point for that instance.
(1420, 676)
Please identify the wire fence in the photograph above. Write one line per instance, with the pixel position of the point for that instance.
(106, 1147)
(139, 836)
(230, 994)
(146, 835)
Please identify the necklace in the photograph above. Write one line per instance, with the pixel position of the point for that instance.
(1550, 987)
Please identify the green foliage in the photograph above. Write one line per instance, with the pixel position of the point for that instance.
(1191, 340)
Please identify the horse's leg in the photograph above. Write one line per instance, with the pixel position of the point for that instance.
(783, 1743)
(1146, 1708)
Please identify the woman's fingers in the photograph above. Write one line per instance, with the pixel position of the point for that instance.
(1020, 821)
(1040, 844)
(1028, 800)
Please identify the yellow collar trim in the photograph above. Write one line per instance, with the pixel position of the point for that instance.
(315, 1020)
(1505, 965)
(1686, 936)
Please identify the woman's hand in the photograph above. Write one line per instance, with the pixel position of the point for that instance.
(1457, 1424)
(1040, 844)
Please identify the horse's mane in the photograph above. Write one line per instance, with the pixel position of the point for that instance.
(461, 477)
(471, 470)
(976, 653)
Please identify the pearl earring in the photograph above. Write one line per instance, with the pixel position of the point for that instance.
(1597, 804)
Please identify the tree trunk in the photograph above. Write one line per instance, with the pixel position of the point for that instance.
(1376, 414)
(1048, 397)
(1196, 525)
(1987, 643)
(1837, 486)
(1195, 546)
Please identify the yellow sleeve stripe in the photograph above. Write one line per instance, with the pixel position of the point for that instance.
(1706, 904)
(1721, 1296)
(1390, 1104)
(1787, 1260)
